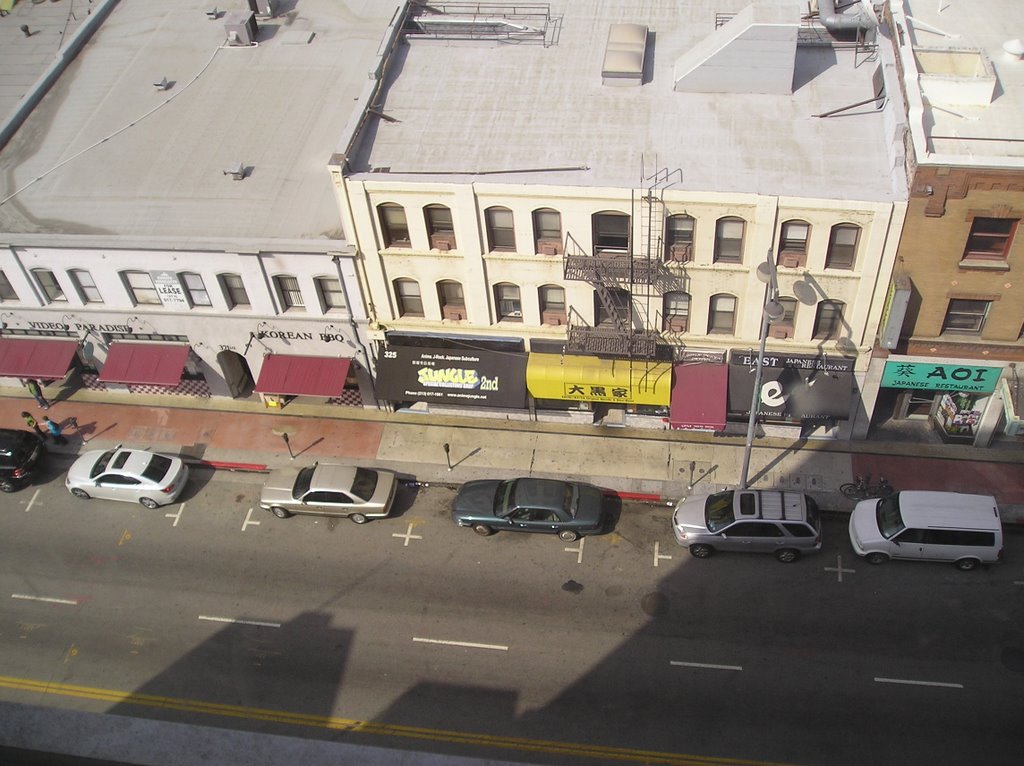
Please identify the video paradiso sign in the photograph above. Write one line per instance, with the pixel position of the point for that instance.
(452, 376)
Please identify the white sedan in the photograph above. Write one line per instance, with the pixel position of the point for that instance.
(132, 475)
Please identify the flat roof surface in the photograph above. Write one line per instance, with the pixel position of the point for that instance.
(949, 132)
(118, 158)
(502, 110)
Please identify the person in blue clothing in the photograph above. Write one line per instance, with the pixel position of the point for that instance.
(54, 429)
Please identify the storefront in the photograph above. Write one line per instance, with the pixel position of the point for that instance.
(795, 389)
(283, 377)
(699, 391)
(952, 396)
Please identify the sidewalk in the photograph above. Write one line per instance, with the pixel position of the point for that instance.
(660, 466)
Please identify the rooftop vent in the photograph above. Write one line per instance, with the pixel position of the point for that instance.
(624, 55)
(240, 27)
(520, 22)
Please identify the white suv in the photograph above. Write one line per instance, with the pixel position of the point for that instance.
(759, 521)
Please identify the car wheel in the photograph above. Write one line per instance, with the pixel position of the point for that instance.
(787, 555)
(358, 518)
(149, 502)
(876, 558)
(6, 486)
(701, 551)
(80, 493)
(966, 565)
(281, 513)
(568, 536)
(482, 529)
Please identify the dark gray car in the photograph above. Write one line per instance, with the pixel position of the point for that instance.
(566, 508)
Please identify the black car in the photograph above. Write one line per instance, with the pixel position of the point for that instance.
(20, 453)
(566, 508)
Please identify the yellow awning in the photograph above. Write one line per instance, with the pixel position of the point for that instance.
(589, 379)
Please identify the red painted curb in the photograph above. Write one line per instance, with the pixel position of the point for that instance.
(229, 466)
(643, 496)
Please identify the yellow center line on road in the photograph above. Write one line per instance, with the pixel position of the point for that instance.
(369, 727)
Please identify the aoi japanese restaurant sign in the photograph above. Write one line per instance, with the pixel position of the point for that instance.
(929, 376)
(452, 376)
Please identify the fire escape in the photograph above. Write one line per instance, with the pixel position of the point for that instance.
(624, 283)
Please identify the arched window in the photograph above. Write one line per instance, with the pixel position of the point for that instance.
(451, 299)
(785, 326)
(828, 323)
(440, 228)
(793, 238)
(410, 301)
(722, 314)
(729, 240)
(842, 246)
(507, 304)
(501, 230)
(289, 294)
(676, 312)
(552, 304)
(679, 238)
(610, 232)
(393, 225)
(547, 231)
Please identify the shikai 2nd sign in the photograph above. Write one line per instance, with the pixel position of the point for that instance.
(452, 376)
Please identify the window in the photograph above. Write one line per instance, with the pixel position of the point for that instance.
(453, 304)
(234, 290)
(328, 289)
(793, 244)
(440, 228)
(990, 239)
(722, 316)
(506, 298)
(611, 232)
(679, 238)
(196, 290)
(619, 310)
(86, 286)
(140, 286)
(289, 294)
(501, 232)
(965, 316)
(48, 284)
(842, 246)
(729, 240)
(552, 304)
(829, 321)
(677, 312)
(784, 327)
(410, 302)
(547, 231)
(393, 225)
(6, 290)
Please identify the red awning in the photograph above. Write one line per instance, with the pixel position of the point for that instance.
(698, 396)
(32, 358)
(153, 364)
(302, 375)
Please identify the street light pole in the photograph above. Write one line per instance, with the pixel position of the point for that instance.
(771, 312)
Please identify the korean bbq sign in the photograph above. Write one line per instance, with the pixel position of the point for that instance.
(940, 377)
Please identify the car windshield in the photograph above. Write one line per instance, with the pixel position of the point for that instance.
(890, 522)
(101, 464)
(718, 513)
(365, 483)
(302, 481)
(157, 469)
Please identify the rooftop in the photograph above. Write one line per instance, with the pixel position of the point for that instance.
(967, 93)
(539, 113)
(134, 141)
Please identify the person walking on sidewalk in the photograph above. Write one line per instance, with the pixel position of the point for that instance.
(31, 423)
(37, 393)
(54, 429)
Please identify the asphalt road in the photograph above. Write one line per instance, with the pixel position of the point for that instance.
(622, 649)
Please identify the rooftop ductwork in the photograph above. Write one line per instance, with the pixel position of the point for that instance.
(853, 16)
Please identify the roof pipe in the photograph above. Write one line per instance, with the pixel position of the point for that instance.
(833, 21)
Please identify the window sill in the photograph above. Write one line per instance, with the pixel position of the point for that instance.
(977, 264)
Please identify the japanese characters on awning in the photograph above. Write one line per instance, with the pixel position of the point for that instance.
(455, 376)
(294, 375)
(793, 386)
(590, 379)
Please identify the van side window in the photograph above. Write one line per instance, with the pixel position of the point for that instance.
(959, 537)
(910, 536)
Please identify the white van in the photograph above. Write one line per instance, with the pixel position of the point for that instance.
(928, 526)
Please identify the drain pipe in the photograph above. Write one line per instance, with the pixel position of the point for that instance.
(833, 21)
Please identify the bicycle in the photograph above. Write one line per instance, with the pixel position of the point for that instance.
(863, 489)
